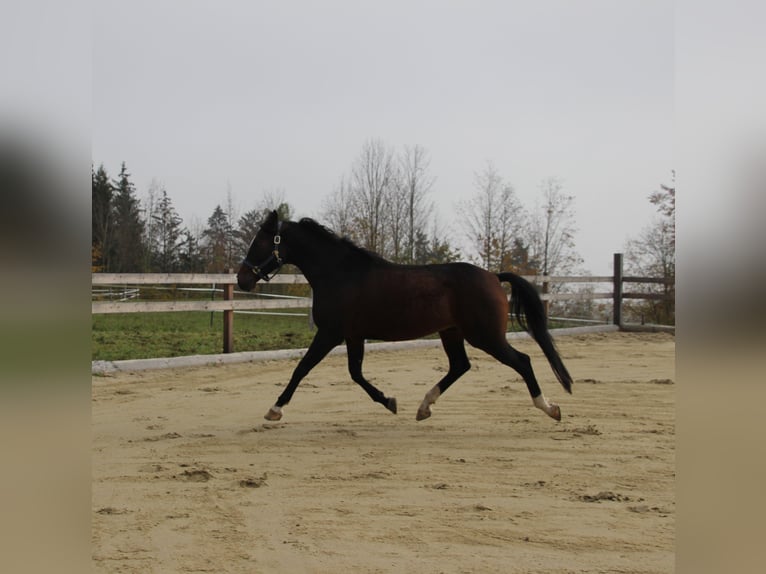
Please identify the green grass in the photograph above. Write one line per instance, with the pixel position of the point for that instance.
(122, 336)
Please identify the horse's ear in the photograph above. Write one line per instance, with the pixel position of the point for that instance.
(270, 224)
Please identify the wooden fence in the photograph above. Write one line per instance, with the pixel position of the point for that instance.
(229, 304)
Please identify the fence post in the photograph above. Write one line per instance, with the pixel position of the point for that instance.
(617, 312)
(228, 320)
(546, 302)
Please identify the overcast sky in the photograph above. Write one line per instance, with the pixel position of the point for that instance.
(256, 96)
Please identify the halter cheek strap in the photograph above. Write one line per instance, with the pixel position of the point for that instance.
(258, 269)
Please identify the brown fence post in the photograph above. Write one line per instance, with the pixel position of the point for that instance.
(228, 319)
(617, 296)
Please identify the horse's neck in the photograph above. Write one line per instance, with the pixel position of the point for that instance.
(317, 258)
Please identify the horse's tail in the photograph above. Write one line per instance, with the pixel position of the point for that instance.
(528, 309)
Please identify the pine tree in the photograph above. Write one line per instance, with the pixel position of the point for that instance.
(190, 257)
(519, 261)
(167, 239)
(216, 238)
(102, 222)
(247, 227)
(129, 249)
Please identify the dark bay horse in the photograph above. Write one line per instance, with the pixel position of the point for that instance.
(359, 295)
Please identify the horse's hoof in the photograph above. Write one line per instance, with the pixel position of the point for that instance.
(555, 412)
(273, 415)
(391, 405)
(422, 415)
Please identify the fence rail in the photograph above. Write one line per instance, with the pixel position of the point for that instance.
(127, 281)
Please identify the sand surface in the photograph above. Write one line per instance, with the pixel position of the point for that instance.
(188, 477)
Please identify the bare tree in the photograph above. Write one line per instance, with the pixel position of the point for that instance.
(232, 215)
(415, 182)
(275, 199)
(382, 205)
(552, 230)
(338, 210)
(492, 218)
(372, 177)
(653, 254)
(395, 219)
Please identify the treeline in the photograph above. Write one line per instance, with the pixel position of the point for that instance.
(384, 203)
(133, 235)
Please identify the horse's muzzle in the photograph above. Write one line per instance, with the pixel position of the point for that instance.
(246, 280)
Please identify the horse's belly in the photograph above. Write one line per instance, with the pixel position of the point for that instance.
(404, 319)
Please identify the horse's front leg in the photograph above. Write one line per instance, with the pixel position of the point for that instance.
(322, 344)
(355, 349)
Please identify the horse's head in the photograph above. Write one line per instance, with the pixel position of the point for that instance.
(264, 255)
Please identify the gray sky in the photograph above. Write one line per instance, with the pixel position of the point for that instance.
(259, 96)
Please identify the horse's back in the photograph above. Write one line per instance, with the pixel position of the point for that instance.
(398, 302)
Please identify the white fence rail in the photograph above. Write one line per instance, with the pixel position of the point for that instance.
(126, 283)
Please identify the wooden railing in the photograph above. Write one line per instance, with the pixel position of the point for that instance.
(229, 304)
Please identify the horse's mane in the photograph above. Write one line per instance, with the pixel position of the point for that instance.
(328, 234)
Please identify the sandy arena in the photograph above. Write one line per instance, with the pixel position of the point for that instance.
(188, 477)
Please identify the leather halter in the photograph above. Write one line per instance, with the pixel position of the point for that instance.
(261, 271)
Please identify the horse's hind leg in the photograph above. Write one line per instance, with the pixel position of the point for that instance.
(355, 350)
(454, 346)
(523, 365)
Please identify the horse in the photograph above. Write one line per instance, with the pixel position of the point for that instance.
(359, 295)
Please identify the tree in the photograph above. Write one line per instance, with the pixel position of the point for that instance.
(247, 227)
(165, 236)
(102, 222)
(372, 180)
(215, 242)
(665, 200)
(492, 218)
(129, 248)
(653, 254)
(433, 249)
(552, 230)
(518, 259)
(250, 222)
(382, 205)
(232, 241)
(191, 256)
(414, 184)
(338, 210)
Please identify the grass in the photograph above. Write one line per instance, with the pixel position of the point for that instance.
(122, 336)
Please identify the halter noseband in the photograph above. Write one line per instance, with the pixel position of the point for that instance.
(259, 270)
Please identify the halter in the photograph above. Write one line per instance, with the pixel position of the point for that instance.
(260, 270)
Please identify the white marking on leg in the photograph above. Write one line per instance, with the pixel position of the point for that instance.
(425, 407)
(433, 394)
(542, 403)
(276, 409)
(550, 409)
